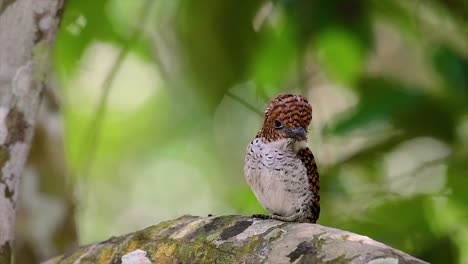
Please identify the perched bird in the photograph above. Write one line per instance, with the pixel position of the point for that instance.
(279, 166)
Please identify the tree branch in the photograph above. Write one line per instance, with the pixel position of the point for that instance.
(236, 239)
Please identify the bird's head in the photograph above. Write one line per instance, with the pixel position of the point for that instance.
(286, 117)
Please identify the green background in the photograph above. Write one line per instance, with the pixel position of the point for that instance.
(164, 133)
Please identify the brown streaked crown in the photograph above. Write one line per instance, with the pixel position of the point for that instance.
(292, 110)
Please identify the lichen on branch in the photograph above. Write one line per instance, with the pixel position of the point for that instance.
(237, 239)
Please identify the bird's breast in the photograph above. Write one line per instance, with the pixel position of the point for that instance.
(277, 176)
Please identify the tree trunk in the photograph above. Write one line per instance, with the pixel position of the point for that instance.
(27, 31)
(236, 239)
(46, 197)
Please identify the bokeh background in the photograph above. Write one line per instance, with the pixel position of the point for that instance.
(154, 102)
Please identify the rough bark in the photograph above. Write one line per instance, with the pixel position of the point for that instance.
(236, 239)
(27, 31)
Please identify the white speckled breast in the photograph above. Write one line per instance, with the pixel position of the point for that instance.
(277, 176)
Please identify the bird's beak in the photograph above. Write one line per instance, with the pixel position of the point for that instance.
(298, 133)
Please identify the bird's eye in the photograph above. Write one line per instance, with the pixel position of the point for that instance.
(278, 124)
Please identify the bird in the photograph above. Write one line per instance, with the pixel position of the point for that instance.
(279, 166)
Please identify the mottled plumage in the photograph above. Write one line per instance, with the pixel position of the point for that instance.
(279, 166)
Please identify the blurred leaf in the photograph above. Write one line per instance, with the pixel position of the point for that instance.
(383, 99)
(316, 16)
(217, 41)
(457, 181)
(442, 250)
(275, 59)
(454, 70)
(459, 8)
(405, 215)
(393, 11)
(83, 22)
(429, 118)
(380, 99)
(373, 153)
(340, 31)
(341, 55)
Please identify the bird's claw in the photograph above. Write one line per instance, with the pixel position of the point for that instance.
(261, 216)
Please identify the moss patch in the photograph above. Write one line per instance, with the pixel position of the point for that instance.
(4, 156)
(16, 126)
(165, 253)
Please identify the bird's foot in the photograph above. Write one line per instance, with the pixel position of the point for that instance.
(261, 216)
(299, 217)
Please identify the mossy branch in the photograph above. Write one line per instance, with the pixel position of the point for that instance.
(236, 239)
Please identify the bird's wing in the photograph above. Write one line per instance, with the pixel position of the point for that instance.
(308, 160)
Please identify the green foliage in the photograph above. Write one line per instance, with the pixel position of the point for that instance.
(341, 55)
(392, 154)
